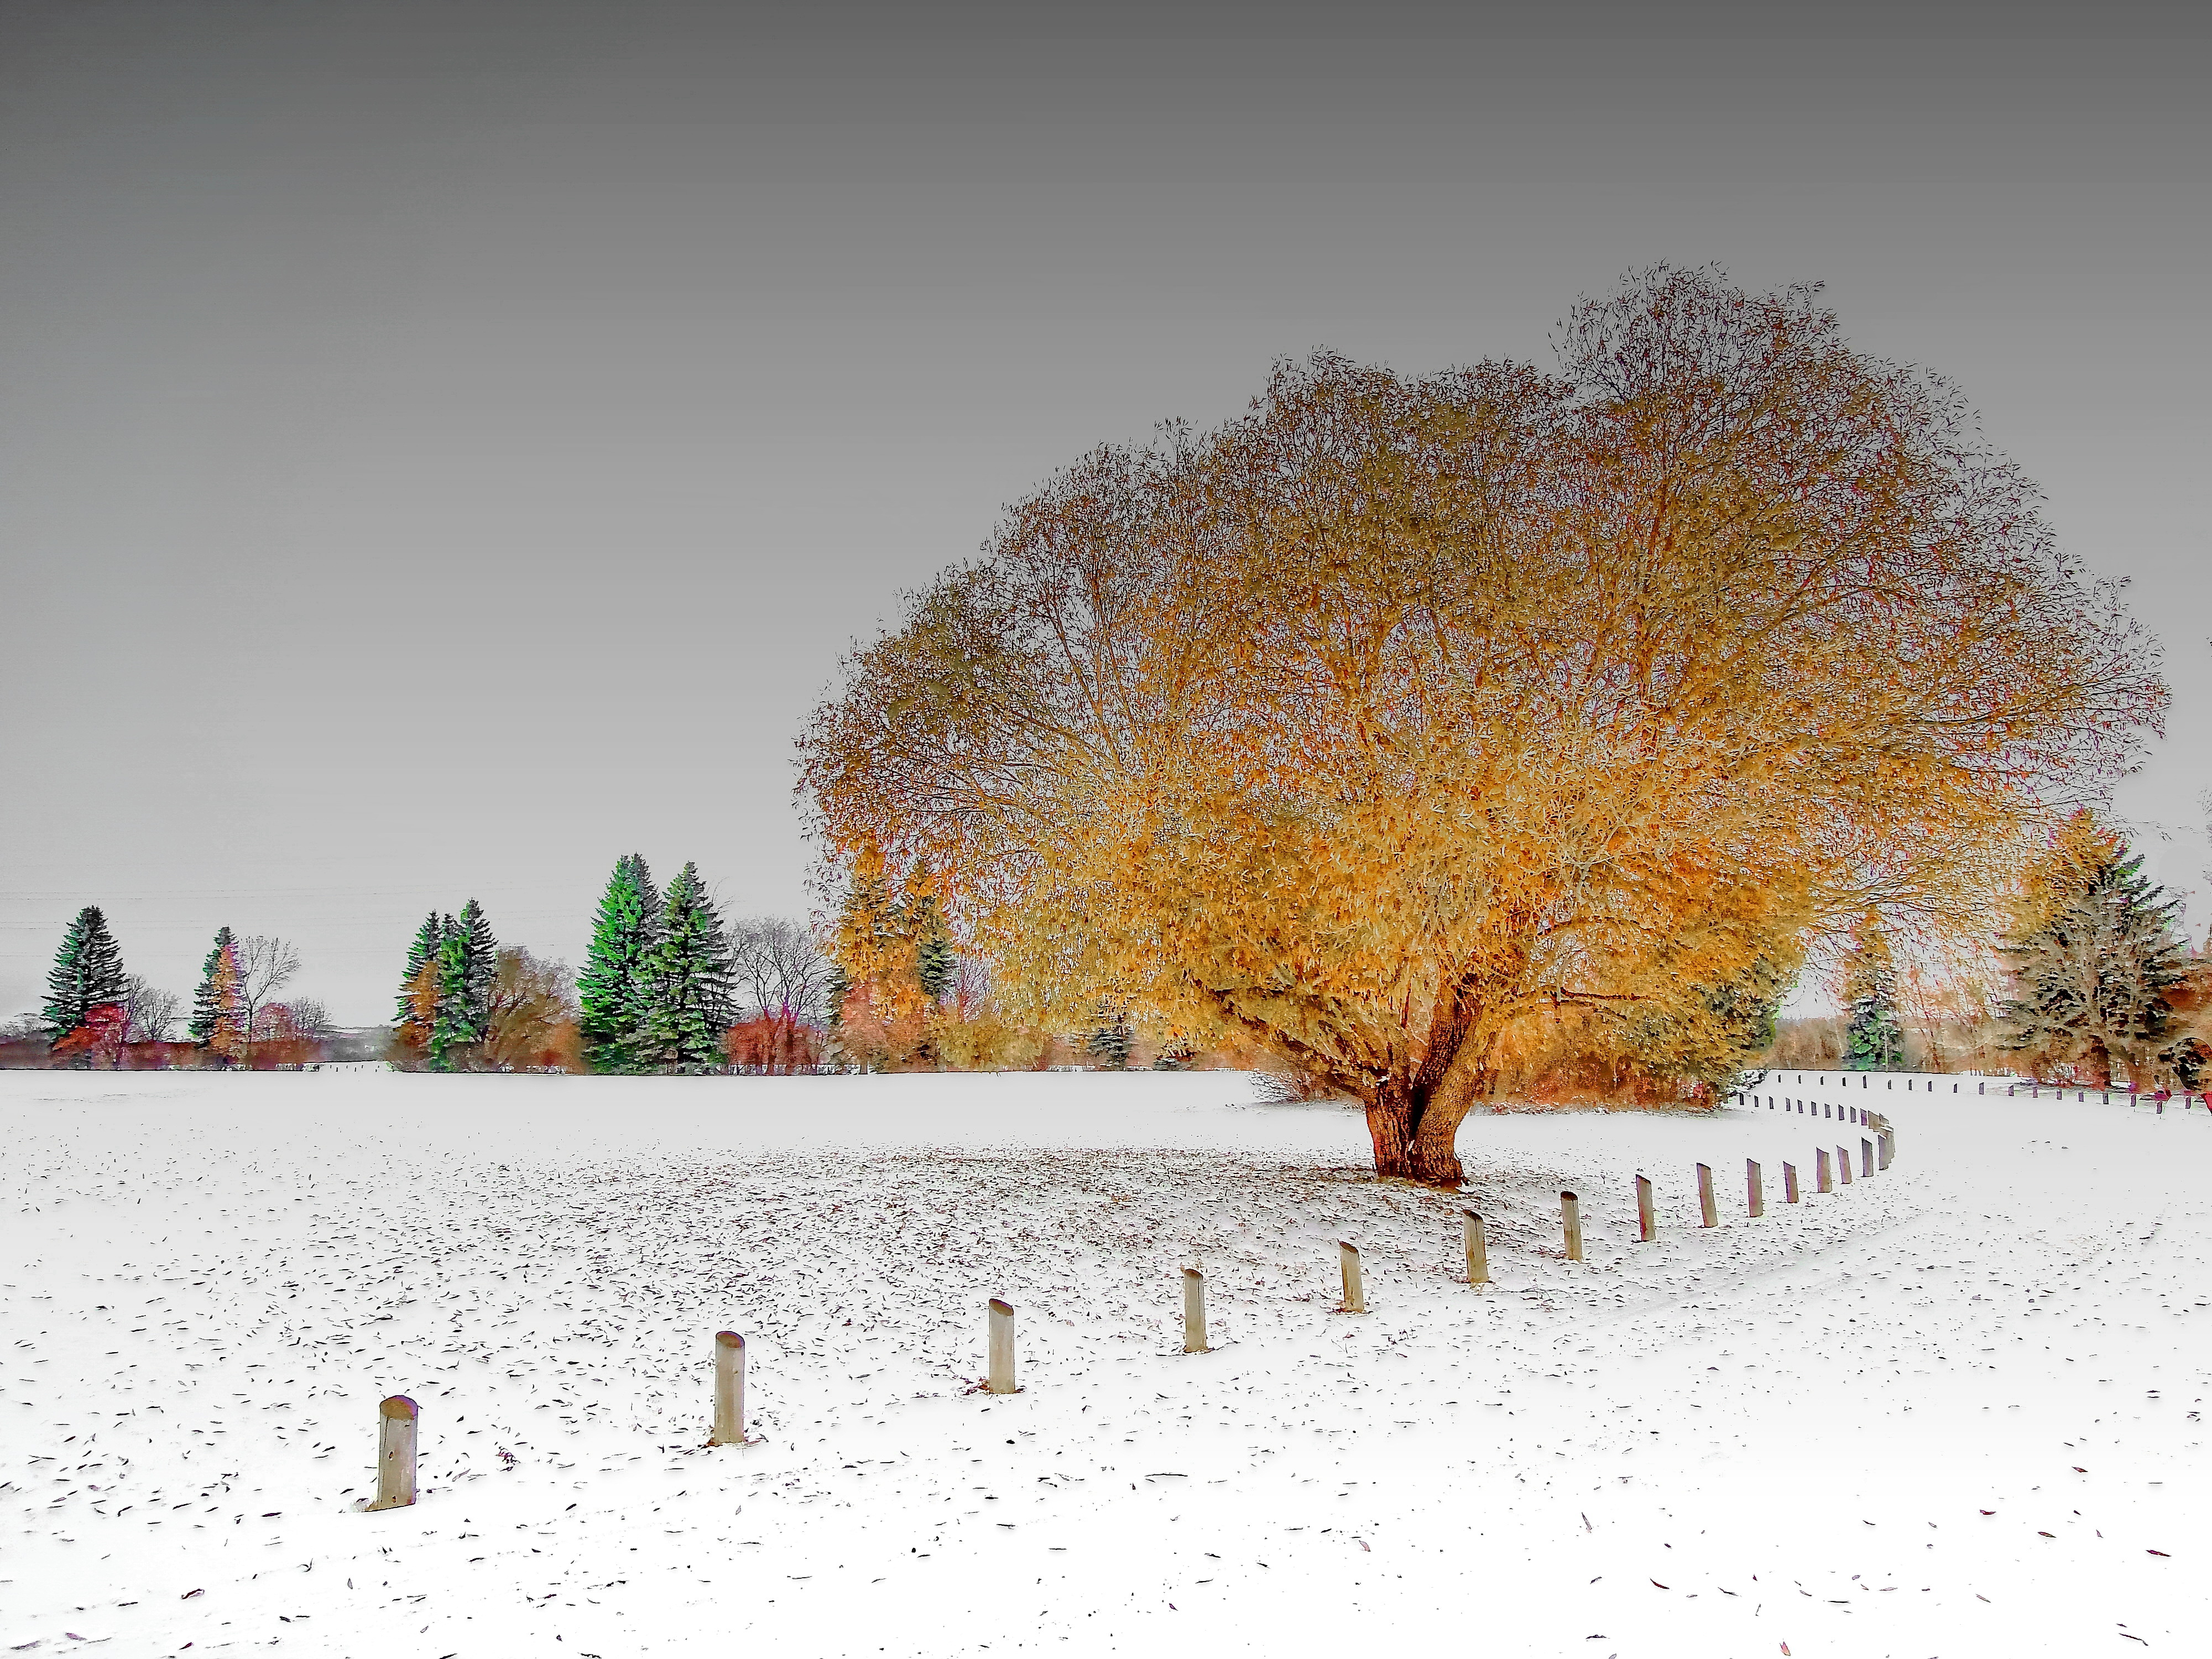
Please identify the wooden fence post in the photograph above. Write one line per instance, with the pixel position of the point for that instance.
(1755, 1188)
(1478, 1248)
(1647, 1224)
(1843, 1164)
(729, 1390)
(395, 1453)
(1888, 1148)
(1002, 1379)
(1789, 1182)
(1711, 1215)
(1355, 1287)
(1570, 1219)
(1866, 1156)
(1194, 1311)
(1824, 1178)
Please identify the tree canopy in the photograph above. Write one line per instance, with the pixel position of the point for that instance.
(1415, 726)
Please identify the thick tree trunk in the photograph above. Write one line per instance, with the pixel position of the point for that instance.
(1415, 1128)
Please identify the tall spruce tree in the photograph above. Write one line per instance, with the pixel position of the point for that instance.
(64, 1005)
(479, 969)
(936, 968)
(688, 1012)
(613, 990)
(1874, 1036)
(88, 971)
(2094, 964)
(450, 1030)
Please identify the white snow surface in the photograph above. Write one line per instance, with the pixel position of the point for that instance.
(1953, 1409)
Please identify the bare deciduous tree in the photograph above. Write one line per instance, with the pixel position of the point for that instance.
(307, 1019)
(780, 978)
(265, 966)
(779, 972)
(150, 1013)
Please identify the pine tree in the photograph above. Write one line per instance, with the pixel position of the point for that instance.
(1874, 1039)
(88, 971)
(64, 1009)
(450, 1030)
(207, 1004)
(1110, 1037)
(935, 967)
(406, 1025)
(479, 969)
(2094, 961)
(689, 1010)
(612, 990)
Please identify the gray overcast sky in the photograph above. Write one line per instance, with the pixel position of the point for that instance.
(444, 447)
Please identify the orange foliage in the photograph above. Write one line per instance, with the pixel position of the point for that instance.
(769, 1043)
(227, 1041)
(99, 1040)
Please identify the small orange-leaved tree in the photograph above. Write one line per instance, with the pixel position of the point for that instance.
(1404, 726)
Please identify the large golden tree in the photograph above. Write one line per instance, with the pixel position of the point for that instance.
(1402, 721)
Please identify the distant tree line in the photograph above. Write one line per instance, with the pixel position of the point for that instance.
(96, 1014)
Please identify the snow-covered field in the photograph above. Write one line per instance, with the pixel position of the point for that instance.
(1951, 1410)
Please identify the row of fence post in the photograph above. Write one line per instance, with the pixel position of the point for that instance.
(2105, 1096)
(396, 1433)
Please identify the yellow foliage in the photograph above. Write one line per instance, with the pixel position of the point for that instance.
(987, 1041)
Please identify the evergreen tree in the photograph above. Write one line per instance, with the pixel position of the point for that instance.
(479, 969)
(1110, 1037)
(405, 1021)
(64, 1008)
(2094, 964)
(689, 1010)
(936, 969)
(450, 1030)
(88, 971)
(613, 989)
(1874, 1039)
